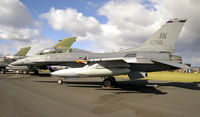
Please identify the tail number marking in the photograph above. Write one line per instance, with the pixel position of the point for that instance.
(163, 35)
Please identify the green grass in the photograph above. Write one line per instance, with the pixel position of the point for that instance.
(171, 76)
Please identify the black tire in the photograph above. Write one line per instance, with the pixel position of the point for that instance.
(60, 81)
(109, 82)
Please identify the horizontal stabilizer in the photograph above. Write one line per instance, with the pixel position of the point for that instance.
(174, 64)
(133, 75)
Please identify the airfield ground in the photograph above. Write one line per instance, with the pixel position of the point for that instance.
(171, 76)
(40, 96)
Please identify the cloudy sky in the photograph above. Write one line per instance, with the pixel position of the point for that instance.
(100, 25)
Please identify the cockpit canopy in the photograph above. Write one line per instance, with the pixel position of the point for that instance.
(48, 51)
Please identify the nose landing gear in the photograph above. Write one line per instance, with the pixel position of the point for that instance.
(60, 81)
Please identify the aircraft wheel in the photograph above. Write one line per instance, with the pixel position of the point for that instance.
(109, 82)
(60, 81)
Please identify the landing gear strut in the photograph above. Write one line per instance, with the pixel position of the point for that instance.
(25, 72)
(3, 70)
(109, 82)
(60, 81)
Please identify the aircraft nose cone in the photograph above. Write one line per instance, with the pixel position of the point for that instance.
(56, 73)
(16, 63)
(59, 73)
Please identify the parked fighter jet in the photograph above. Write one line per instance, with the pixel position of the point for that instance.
(4, 61)
(154, 55)
(62, 47)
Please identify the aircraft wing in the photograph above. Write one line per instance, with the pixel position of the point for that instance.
(127, 60)
(124, 60)
(134, 60)
(174, 64)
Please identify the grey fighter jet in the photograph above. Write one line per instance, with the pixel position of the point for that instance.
(154, 55)
(61, 47)
(4, 61)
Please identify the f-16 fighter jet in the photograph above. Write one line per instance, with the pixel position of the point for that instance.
(62, 47)
(154, 55)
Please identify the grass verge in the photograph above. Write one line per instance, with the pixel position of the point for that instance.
(171, 76)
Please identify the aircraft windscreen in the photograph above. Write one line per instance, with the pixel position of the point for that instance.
(47, 51)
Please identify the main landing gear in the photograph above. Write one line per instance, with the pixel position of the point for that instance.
(109, 82)
(25, 72)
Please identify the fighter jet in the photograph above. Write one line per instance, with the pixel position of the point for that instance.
(62, 47)
(154, 55)
(4, 61)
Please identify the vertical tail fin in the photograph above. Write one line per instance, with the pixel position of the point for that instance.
(165, 38)
(23, 51)
(65, 44)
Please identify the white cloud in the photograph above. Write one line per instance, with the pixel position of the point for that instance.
(72, 21)
(5, 49)
(14, 13)
(18, 27)
(15, 18)
(17, 34)
(128, 14)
